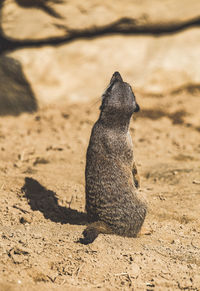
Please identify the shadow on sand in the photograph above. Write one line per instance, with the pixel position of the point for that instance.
(44, 200)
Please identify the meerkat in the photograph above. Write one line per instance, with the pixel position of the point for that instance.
(113, 205)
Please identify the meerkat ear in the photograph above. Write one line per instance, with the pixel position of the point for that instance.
(116, 77)
(137, 109)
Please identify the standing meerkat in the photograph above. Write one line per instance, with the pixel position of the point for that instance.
(112, 202)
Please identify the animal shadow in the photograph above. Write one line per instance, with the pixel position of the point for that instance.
(44, 200)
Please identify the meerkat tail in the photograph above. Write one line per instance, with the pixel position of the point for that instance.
(93, 230)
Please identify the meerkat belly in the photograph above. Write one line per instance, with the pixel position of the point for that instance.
(111, 197)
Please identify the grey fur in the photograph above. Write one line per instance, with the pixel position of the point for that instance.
(111, 195)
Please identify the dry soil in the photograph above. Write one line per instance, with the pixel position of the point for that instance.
(42, 200)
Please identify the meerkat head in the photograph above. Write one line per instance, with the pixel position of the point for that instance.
(119, 96)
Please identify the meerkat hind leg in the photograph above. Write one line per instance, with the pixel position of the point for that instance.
(93, 230)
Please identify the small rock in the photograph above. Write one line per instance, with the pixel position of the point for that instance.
(18, 254)
(196, 182)
(134, 270)
(39, 160)
(25, 220)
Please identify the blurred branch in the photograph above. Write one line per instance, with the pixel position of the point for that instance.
(122, 26)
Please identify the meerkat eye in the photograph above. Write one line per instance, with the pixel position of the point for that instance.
(107, 90)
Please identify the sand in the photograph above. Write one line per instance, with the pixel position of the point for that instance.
(42, 200)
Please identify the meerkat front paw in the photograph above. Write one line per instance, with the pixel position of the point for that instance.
(136, 178)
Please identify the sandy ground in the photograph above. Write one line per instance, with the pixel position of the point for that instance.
(42, 200)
